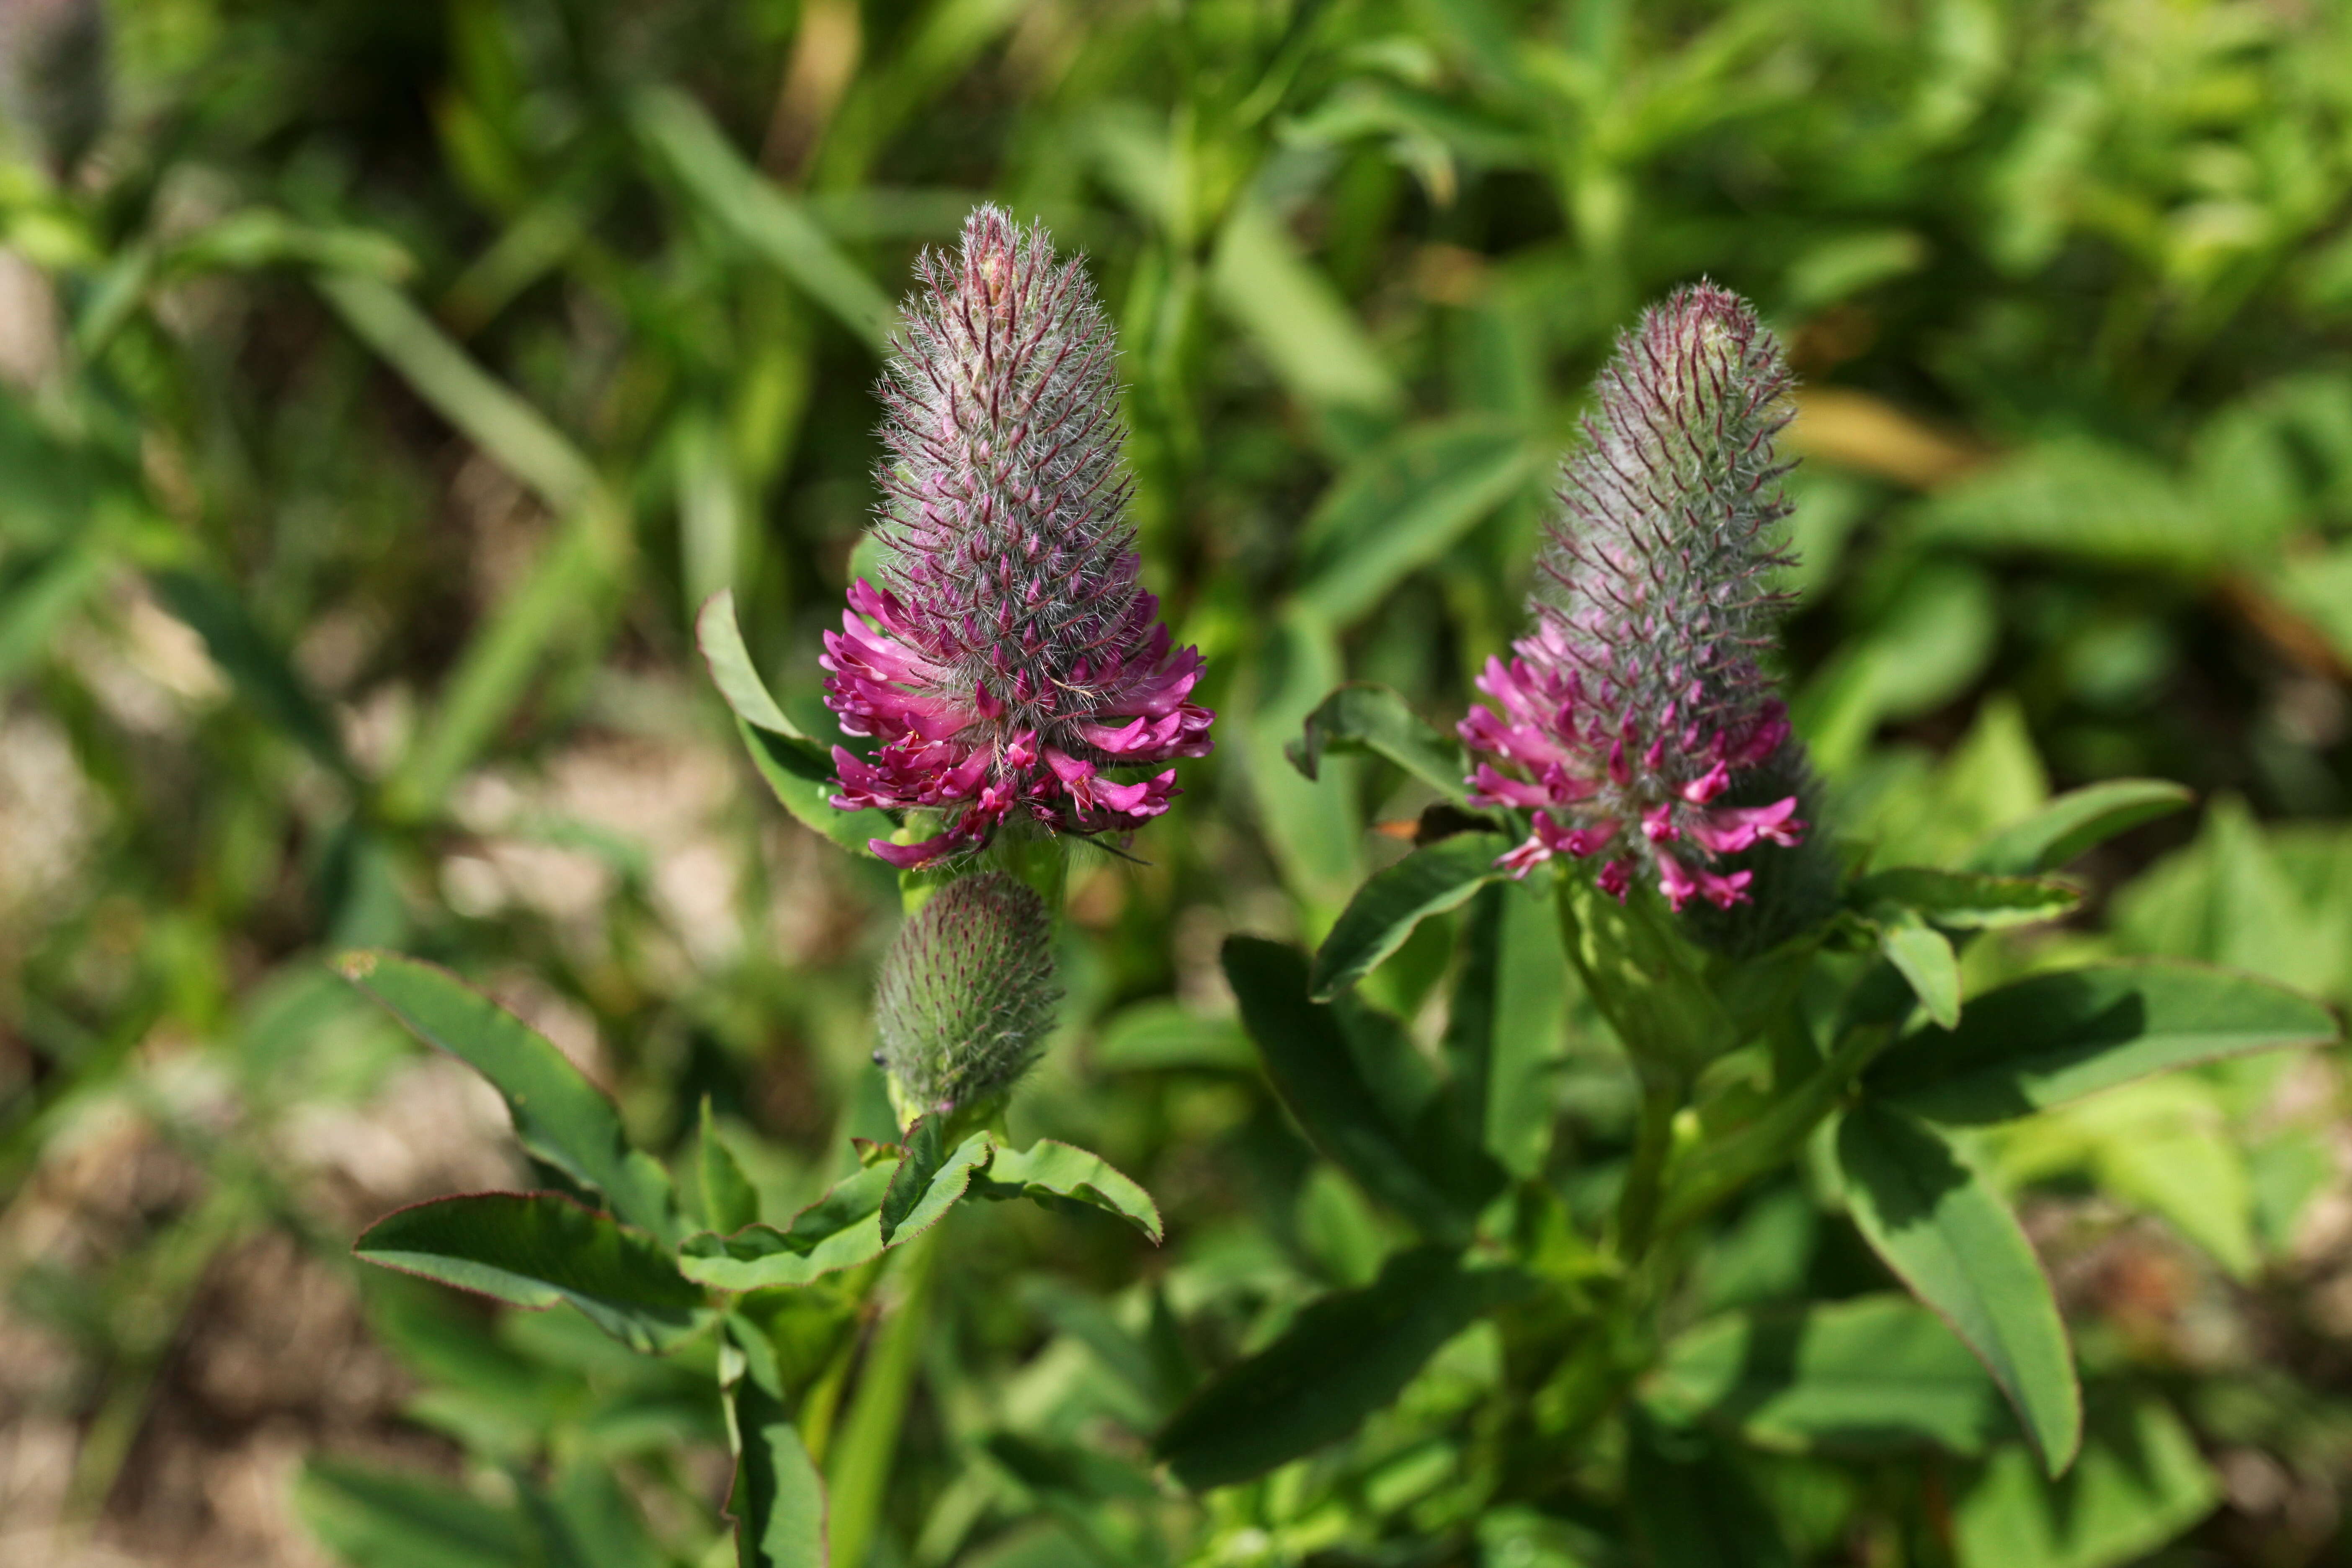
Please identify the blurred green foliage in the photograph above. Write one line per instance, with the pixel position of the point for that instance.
(390, 383)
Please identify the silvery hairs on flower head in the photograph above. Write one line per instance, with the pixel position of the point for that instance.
(1013, 655)
(1638, 700)
(966, 995)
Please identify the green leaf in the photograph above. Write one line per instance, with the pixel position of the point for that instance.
(1165, 1035)
(840, 1230)
(1966, 900)
(586, 1520)
(1388, 907)
(1315, 1068)
(1506, 1024)
(800, 775)
(1938, 1224)
(729, 1202)
(265, 678)
(1869, 1375)
(777, 1500)
(1297, 320)
(374, 1518)
(760, 215)
(1343, 1357)
(2076, 821)
(1692, 1507)
(2139, 1484)
(1924, 957)
(929, 1180)
(535, 1249)
(1049, 1169)
(2049, 1038)
(559, 1116)
(721, 640)
(1402, 506)
(1361, 716)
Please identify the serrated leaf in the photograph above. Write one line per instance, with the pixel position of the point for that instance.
(1048, 1169)
(729, 1202)
(1873, 1374)
(721, 638)
(1924, 957)
(1343, 1358)
(1352, 1119)
(2076, 821)
(930, 1177)
(559, 1116)
(1966, 900)
(777, 1500)
(536, 1249)
(840, 1230)
(1402, 505)
(1935, 1220)
(1361, 716)
(2049, 1038)
(1392, 903)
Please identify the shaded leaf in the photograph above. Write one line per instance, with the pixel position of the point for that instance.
(374, 1518)
(800, 775)
(1938, 1224)
(1389, 905)
(1345, 1356)
(535, 1249)
(777, 1500)
(1869, 1376)
(559, 1116)
(1047, 1169)
(930, 1178)
(1692, 1507)
(1168, 1034)
(721, 638)
(1361, 716)
(1506, 1026)
(729, 1200)
(265, 676)
(1966, 900)
(2139, 1484)
(2049, 1038)
(2076, 821)
(1314, 1067)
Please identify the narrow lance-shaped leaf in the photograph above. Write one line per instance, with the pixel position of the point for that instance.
(2049, 1038)
(1343, 1358)
(729, 1200)
(1386, 909)
(1505, 1028)
(559, 1116)
(2076, 821)
(1361, 717)
(1313, 1068)
(1938, 1224)
(778, 1500)
(536, 1249)
(1966, 900)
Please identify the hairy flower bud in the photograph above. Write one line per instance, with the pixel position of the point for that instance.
(966, 994)
(1013, 656)
(1637, 700)
(54, 75)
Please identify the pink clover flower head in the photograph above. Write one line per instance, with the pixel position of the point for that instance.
(1010, 661)
(1637, 701)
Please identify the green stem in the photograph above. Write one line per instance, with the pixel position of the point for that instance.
(1776, 1135)
(859, 1473)
(1637, 1207)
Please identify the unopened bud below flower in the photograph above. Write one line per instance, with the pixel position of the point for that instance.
(966, 994)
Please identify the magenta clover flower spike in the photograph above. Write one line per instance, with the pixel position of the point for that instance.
(1012, 655)
(1637, 699)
